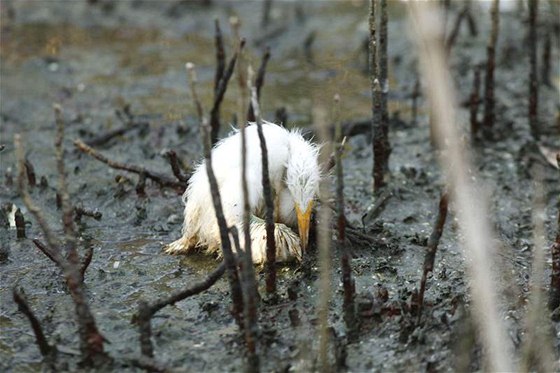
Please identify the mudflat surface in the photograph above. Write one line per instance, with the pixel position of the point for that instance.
(95, 59)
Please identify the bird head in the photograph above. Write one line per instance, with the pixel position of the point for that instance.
(302, 179)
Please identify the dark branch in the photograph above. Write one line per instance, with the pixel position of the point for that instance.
(46, 349)
(159, 178)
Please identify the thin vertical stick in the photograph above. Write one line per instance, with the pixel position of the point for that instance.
(270, 264)
(248, 273)
(431, 249)
(415, 95)
(220, 56)
(533, 78)
(347, 280)
(251, 116)
(545, 64)
(324, 243)
(46, 349)
(376, 129)
(473, 103)
(489, 114)
(384, 81)
(554, 300)
(471, 209)
(229, 258)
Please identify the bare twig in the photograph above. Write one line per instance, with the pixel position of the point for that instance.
(86, 261)
(324, 244)
(376, 131)
(128, 125)
(159, 178)
(415, 94)
(474, 102)
(146, 310)
(248, 270)
(457, 27)
(431, 249)
(52, 255)
(533, 78)
(471, 211)
(229, 259)
(220, 56)
(270, 264)
(384, 81)
(175, 164)
(554, 301)
(489, 102)
(259, 81)
(545, 63)
(48, 351)
(219, 93)
(347, 280)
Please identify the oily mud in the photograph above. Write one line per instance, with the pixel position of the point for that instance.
(96, 59)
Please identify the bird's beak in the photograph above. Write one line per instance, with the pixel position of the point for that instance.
(303, 219)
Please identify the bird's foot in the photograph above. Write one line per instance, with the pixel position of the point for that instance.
(288, 244)
(181, 246)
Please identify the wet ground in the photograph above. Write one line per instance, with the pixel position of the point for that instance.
(95, 59)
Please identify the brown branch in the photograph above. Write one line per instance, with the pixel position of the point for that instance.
(489, 115)
(86, 261)
(161, 179)
(347, 280)
(129, 124)
(219, 96)
(30, 171)
(259, 81)
(270, 264)
(48, 351)
(220, 56)
(91, 340)
(147, 310)
(431, 249)
(384, 81)
(229, 258)
(248, 272)
(175, 164)
(376, 130)
(456, 27)
(533, 78)
(53, 255)
(545, 66)
(414, 96)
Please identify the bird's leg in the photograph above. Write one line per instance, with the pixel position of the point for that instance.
(288, 244)
(183, 245)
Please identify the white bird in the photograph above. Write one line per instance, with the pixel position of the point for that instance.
(294, 177)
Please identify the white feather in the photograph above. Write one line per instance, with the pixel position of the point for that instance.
(294, 176)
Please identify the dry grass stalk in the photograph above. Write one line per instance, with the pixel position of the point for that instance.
(270, 264)
(324, 242)
(376, 105)
(533, 77)
(229, 258)
(471, 209)
(248, 272)
(489, 101)
(347, 280)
